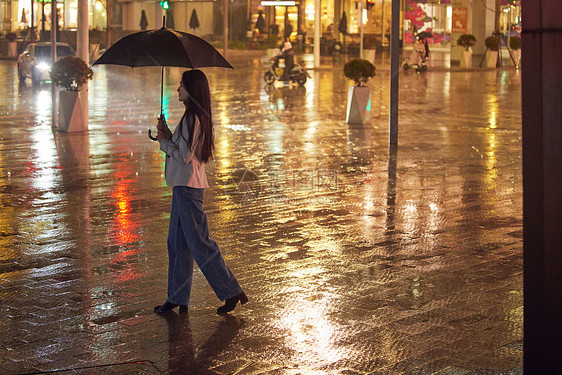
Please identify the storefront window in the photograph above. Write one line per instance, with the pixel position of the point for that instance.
(510, 20)
(99, 16)
(432, 17)
(67, 15)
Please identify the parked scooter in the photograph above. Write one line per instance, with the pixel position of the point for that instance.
(298, 74)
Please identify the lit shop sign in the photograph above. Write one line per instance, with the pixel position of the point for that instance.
(281, 3)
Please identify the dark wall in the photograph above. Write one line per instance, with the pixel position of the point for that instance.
(542, 185)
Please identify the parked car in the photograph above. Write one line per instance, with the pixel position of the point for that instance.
(35, 61)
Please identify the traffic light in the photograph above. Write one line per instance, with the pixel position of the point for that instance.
(165, 4)
(370, 4)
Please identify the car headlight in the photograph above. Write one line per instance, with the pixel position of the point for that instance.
(43, 66)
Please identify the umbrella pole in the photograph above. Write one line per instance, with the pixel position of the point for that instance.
(162, 80)
(162, 91)
(161, 100)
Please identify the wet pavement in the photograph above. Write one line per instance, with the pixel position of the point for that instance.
(356, 260)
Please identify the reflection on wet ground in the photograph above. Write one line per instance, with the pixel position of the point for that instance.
(356, 260)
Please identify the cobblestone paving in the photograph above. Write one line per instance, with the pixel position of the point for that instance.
(356, 260)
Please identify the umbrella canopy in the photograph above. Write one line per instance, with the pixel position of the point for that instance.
(163, 47)
(425, 34)
(194, 21)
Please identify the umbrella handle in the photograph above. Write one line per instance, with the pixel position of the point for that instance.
(150, 135)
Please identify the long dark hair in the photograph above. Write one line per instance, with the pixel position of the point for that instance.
(199, 104)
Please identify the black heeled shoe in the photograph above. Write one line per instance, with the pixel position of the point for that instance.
(167, 307)
(231, 303)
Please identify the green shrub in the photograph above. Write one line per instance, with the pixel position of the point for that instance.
(71, 72)
(492, 43)
(515, 42)
(359, 70)
(466, 41)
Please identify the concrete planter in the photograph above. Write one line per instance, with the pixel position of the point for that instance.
(71, 112)
(12, 49)
(466, 60)
(491, 59)
(358, 105)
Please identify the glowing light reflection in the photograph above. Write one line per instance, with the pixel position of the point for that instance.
(43, 106)
(311, 332)
(493, 111)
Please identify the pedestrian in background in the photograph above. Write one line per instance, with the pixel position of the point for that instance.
(187, 150)
(288, 32)
(260, 23)
(274, 29)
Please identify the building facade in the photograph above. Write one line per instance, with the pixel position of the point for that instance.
(445, 19)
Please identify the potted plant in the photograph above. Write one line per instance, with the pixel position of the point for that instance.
(12, 44)
(492, 47)
(71, 73)
(515, 45)
(466, 41)
(359, 96)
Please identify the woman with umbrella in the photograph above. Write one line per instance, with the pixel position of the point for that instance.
(187, 150)
(423, 36)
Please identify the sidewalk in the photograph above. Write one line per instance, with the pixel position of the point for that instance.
(355, 260)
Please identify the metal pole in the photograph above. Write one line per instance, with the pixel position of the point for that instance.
(383, 30)
(225, 28)
(394, 70)
(42, 18)
(54, 20)
(360, 29)
(317, 15)
(162, 91)
(82, 44)
(82, 32)
(32, 22)
(108, 23)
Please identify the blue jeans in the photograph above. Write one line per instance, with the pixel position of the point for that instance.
(188, 241)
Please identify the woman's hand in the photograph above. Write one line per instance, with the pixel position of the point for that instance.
(163, 130)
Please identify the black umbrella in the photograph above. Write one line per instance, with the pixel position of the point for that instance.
(425, 34)
(163, 47)
(194, 21)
